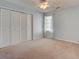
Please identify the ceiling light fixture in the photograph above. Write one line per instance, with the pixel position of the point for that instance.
(44, 4)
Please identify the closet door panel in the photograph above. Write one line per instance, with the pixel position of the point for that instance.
(15, 27)
(0, 30)
(29, 27)
(23, 34)
(5, 27)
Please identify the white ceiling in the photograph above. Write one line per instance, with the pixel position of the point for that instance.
(53, 4)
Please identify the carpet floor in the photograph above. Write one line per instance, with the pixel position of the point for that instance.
(41, 49)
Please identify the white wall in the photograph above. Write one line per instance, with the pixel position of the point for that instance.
(37, 27)
(37, 16)
(66, 24)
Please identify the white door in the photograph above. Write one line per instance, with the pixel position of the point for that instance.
(29, 27)
(0, 30)
(15, 27)
(4, 28)
(23, 27)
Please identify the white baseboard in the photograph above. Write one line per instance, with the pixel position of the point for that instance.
(67, 40)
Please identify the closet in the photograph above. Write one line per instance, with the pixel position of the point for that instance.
(15, 27)
(4, 27)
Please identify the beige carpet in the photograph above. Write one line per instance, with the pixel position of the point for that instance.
(41, 49)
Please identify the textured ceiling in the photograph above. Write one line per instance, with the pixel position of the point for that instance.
(53, 4)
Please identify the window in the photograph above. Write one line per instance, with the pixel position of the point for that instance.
(48, 24)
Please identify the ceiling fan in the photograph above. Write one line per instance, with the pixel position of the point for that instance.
(44, 4)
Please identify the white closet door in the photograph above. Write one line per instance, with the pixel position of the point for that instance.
(0, 29)
(23, 26)
(5, 28)
(15, 27)
(29, 27)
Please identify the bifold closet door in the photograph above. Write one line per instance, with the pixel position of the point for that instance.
(29, 27)
(4, 27)
(18, 27)
(15, 27)
(23, 27)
